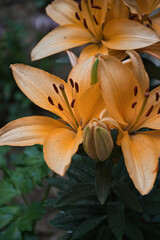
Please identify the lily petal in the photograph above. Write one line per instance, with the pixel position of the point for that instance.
(28, 131)
(151, 117)
(90, 104)
(37, 85)
(139, 70)
(154, 136)
(132, 4)
(63, 11)
(116, 9)
(153, 50)
(81, 74)
(59, 147)
(60, 39)
(141, 159)
(73, 58)
(118, 86)
(92, 50)
(127, 34)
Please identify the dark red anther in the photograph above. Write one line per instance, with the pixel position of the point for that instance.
(96, 7)
(77, 16)
(135, 91)
(80, 7)
(158, 111)
(61, 87)
(50, 100)
(85, 23)
(55, 88)
(60, 107)
(71, 82)
(134, 104)
(76, 87)
(92, 3)
(95, 20)
(72, 103)
(149, 111)
(86, 1)
(157, 96)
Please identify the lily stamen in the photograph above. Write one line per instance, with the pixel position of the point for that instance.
(146, 96)
(61, 87)
(149, 111)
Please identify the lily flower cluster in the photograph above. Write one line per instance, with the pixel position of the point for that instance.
(102, 91)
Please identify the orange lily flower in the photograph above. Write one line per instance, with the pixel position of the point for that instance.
(102, 24)
(143, 11)
(75, 102)
(131, 108)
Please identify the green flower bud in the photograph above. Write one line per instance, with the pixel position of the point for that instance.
(97, 141)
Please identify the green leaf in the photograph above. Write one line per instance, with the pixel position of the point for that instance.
(102, 181)
(104, 233)
(11, 233)
(126, 195)
(116, 219)
(3, 151)
(60, 183)
(69, 220)
(30, 214)
(150, 206)
(75, 194)
(7, 191)
(87, 226)
(29, 236)
(132, 231)
(7, 214)
(21, 180)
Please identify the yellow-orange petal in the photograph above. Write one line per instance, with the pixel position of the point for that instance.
(139, 70)
(120, 54)
(153, 50)
(132, 4)
(63, 12)
(141, 159)
(118, 85)
(154, 136)
(73, 58)
(81, 74)
(59, 147)
(60, 39)
(116, 9)
(37, 85)
(125, 34)
(92, 50)
(90, 104)
(151, 113)
(27, 131)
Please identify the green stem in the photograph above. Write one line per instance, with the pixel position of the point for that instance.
(46, 194)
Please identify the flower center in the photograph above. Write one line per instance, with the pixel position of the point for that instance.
(153, 109)
(64, 104)
(92, 9)
(146, 96)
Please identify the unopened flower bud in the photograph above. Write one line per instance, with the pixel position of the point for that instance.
(97, 141)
